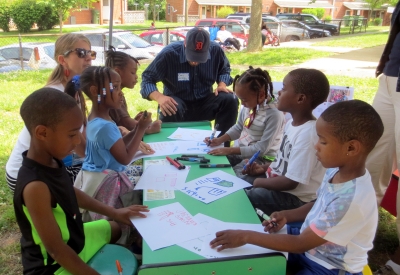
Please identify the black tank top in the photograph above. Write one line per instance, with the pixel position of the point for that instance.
(66, 213)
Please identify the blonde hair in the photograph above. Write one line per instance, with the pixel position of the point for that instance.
(63, 44)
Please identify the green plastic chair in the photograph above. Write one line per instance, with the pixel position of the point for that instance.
(104, 260)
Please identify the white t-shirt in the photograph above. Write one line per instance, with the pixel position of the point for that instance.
(345, 215)
(223, 35)
(297, 161)
(22, 144)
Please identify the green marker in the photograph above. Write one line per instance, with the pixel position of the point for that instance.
(265, 216)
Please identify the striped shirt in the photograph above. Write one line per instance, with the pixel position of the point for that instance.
(264, 134)
(182, 80)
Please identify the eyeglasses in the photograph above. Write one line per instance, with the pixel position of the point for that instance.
(82, 53)
(248, 121)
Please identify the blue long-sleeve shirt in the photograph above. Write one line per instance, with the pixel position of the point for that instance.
(186, 82)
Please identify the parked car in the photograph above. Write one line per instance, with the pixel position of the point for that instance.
(36, 55)
(238, 28)
(10, 65)
(285, 32)
(157, 37)
(244, 16)
(310, 20)
(125, 41)
(314, 33)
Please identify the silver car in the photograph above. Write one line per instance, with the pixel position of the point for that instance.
(125, 41)
(286, 33)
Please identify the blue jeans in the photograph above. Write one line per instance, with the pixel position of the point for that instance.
(302, 265)
(270, 201)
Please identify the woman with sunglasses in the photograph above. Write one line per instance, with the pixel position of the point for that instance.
(72, 54)
(259, 126)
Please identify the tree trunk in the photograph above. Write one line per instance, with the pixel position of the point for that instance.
(60, 17)
(254, 42)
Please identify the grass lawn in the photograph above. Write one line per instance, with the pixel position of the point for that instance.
(14, 87)
(357, 41)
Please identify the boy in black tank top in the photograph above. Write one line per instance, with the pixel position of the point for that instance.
(45, 202)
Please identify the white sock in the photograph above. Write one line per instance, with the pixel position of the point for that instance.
(394, 266)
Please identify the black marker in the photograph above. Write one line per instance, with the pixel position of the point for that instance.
(215, 165)
(191, 156)
(145, 114)
(201, 160)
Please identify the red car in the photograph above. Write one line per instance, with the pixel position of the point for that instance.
(156, 37)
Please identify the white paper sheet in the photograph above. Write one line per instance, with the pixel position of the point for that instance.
(247, 249)
(192, 134)
(176, 147)
(164, 177)
(213, 186)
(168, 225)
(321, 108)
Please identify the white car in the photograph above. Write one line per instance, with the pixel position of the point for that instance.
(125, 41)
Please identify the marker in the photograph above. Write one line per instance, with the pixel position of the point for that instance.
(173, 163)
(265, 216)
(215, 165)
(119, 268)
(201, 160)
(213, 134)
(191, 156)
(145, 114)
(253, 158)
(181, 166)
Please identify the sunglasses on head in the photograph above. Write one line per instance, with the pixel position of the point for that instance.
(82, 53)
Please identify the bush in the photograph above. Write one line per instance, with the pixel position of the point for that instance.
(47, 17)
(328, 18)
(378, 21)
(5, 17)
(224, 12)
(23, 14)
(318, 12)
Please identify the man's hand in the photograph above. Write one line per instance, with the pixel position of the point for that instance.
(167, 105)
(229, 239)
(222, 88)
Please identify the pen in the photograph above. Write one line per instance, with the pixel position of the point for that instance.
(201, 160)
(213, 134)
(253, 158)
(265, 216)
(214, 165)
(119, 268)
(181, 166)
(173, 162)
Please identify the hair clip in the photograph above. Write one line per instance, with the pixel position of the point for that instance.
(111, 87)
(258, 108)
(104, 92)
(98, 99)
(76, 81)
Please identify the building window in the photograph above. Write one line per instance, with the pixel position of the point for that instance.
(358, 12)
(85, 6)
(348, 12)
(248, 9)
(290, 10)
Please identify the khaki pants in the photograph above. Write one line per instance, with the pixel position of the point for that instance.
(382, 161)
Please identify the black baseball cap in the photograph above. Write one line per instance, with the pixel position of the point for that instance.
(197, 44)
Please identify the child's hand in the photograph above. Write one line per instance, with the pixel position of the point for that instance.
(214, 141)
(138, 116)
(123, 130)
(220, 151)
(124, 214)
(254, 169)
(228, 239)
(145, 148)
(276, 217)
(155, 127)
(144, 121)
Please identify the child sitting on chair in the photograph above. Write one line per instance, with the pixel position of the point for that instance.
(340, 225)
(296, 174)
(259, 126)
(54, 239)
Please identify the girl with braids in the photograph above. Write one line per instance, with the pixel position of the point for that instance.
(126, 66)
(259, 126)
(73, 54)
(108, 154)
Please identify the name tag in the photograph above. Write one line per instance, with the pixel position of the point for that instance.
(183, 76)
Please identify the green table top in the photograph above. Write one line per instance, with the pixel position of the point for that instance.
(233, 208)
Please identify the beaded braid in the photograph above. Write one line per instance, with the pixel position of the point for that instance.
(99, 84)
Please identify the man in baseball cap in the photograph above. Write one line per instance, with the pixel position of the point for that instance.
(189, 69)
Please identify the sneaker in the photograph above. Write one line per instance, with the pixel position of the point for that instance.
(385, 270)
